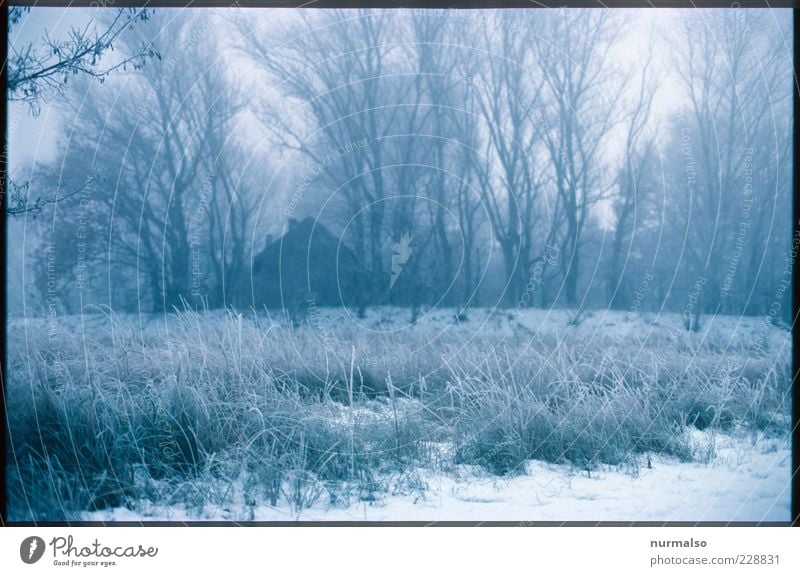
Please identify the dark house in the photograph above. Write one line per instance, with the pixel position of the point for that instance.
(306, 267)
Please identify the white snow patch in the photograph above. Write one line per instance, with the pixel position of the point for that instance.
(744, 481)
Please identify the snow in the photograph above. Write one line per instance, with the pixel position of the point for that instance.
(735, 478)
(739, 479)
(744, 481)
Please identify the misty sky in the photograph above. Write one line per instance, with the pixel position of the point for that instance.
(33, 139)
(245, 39)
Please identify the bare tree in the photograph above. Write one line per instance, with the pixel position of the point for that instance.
(334, 68)
(734, 153)
(582, 92)
(39, 71)
(170, 207)
(633, 180)
(506, 95)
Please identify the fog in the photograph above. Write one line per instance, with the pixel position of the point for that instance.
(577, 159)
(399, 264)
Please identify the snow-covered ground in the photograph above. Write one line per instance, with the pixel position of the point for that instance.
(606, 324)
(743, 481)
(732, 477)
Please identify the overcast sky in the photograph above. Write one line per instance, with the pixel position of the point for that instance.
(33, 139)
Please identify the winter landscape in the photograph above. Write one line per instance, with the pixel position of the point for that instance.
(399, 265)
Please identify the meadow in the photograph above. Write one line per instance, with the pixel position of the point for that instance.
(241, 413)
